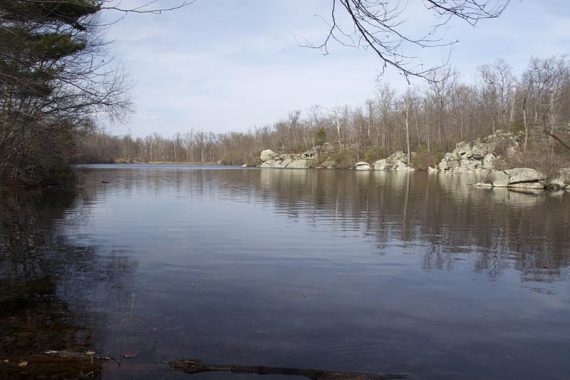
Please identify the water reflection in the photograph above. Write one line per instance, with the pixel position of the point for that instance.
(376, 272)
(438, 216)
(49, 284)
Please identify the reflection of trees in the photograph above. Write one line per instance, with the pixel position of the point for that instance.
(46, 281)
(440, 217)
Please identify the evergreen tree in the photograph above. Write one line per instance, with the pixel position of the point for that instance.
(53, 80)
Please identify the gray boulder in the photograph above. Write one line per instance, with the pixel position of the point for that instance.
(381, 165)
(267, 155)
(499, 178)
(522, 175)
(561, 181)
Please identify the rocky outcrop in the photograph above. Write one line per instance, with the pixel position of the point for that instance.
(305, 160)
(478, 155)
(396, 161)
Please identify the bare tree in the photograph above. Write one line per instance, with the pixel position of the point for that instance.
(377, 25)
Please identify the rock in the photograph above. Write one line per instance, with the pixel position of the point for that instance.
(267, 155)
(329, 164)
(463, 149)
(244, 166)
(489, 161)
(396, 161)
(269, 164)
(285, 162)
(561, 181)
(484, 185)
(469, 157)
(299, 164)
(397, 156)
(380, 165)
(521, 175)
(432, 170)
(499, 178)
(479, 151)
(401, 166)
(362, 165)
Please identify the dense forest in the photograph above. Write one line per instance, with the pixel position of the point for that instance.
(443, 112)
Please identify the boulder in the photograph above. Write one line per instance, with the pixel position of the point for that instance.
(463, 149)
(395, 161)
(267, 155)
(269, 164)
(561, 181)
(489, 161)
(299, 164)
(362, 165)
(285, 162)
(381, 165)
(522, 175)
(499, 178)
(401, 166)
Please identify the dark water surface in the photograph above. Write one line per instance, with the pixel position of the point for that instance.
(414, 274)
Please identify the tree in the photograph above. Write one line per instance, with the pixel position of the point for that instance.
(55, 80)
(376, 24)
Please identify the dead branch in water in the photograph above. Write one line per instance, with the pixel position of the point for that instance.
(193, 366)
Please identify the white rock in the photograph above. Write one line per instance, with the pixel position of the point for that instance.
(298, 164)
(489, 161)
(362, 165)
(267, 155)
(381, 165)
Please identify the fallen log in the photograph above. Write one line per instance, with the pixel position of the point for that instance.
(194, 366)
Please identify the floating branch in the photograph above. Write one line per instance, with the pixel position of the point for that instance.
(193, 366)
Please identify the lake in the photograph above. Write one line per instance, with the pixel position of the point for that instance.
(414, 274)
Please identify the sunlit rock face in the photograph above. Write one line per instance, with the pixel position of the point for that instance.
(396, 161)
(481, 154)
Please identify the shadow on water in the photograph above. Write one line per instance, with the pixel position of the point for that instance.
(47, 288)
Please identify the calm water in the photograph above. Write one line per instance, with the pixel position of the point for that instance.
(373, 272)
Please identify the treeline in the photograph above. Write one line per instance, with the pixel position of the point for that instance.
(438, 115)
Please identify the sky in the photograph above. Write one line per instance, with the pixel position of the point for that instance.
(234, 65)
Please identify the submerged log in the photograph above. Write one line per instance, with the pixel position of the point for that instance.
(194, 366)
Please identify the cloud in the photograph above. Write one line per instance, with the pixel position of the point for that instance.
(222, 65)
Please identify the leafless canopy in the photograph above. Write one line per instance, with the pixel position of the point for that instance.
(380, 25)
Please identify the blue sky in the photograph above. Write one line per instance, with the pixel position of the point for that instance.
(231, 65)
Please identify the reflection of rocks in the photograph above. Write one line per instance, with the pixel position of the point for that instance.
(396, 161)
(477, 155)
